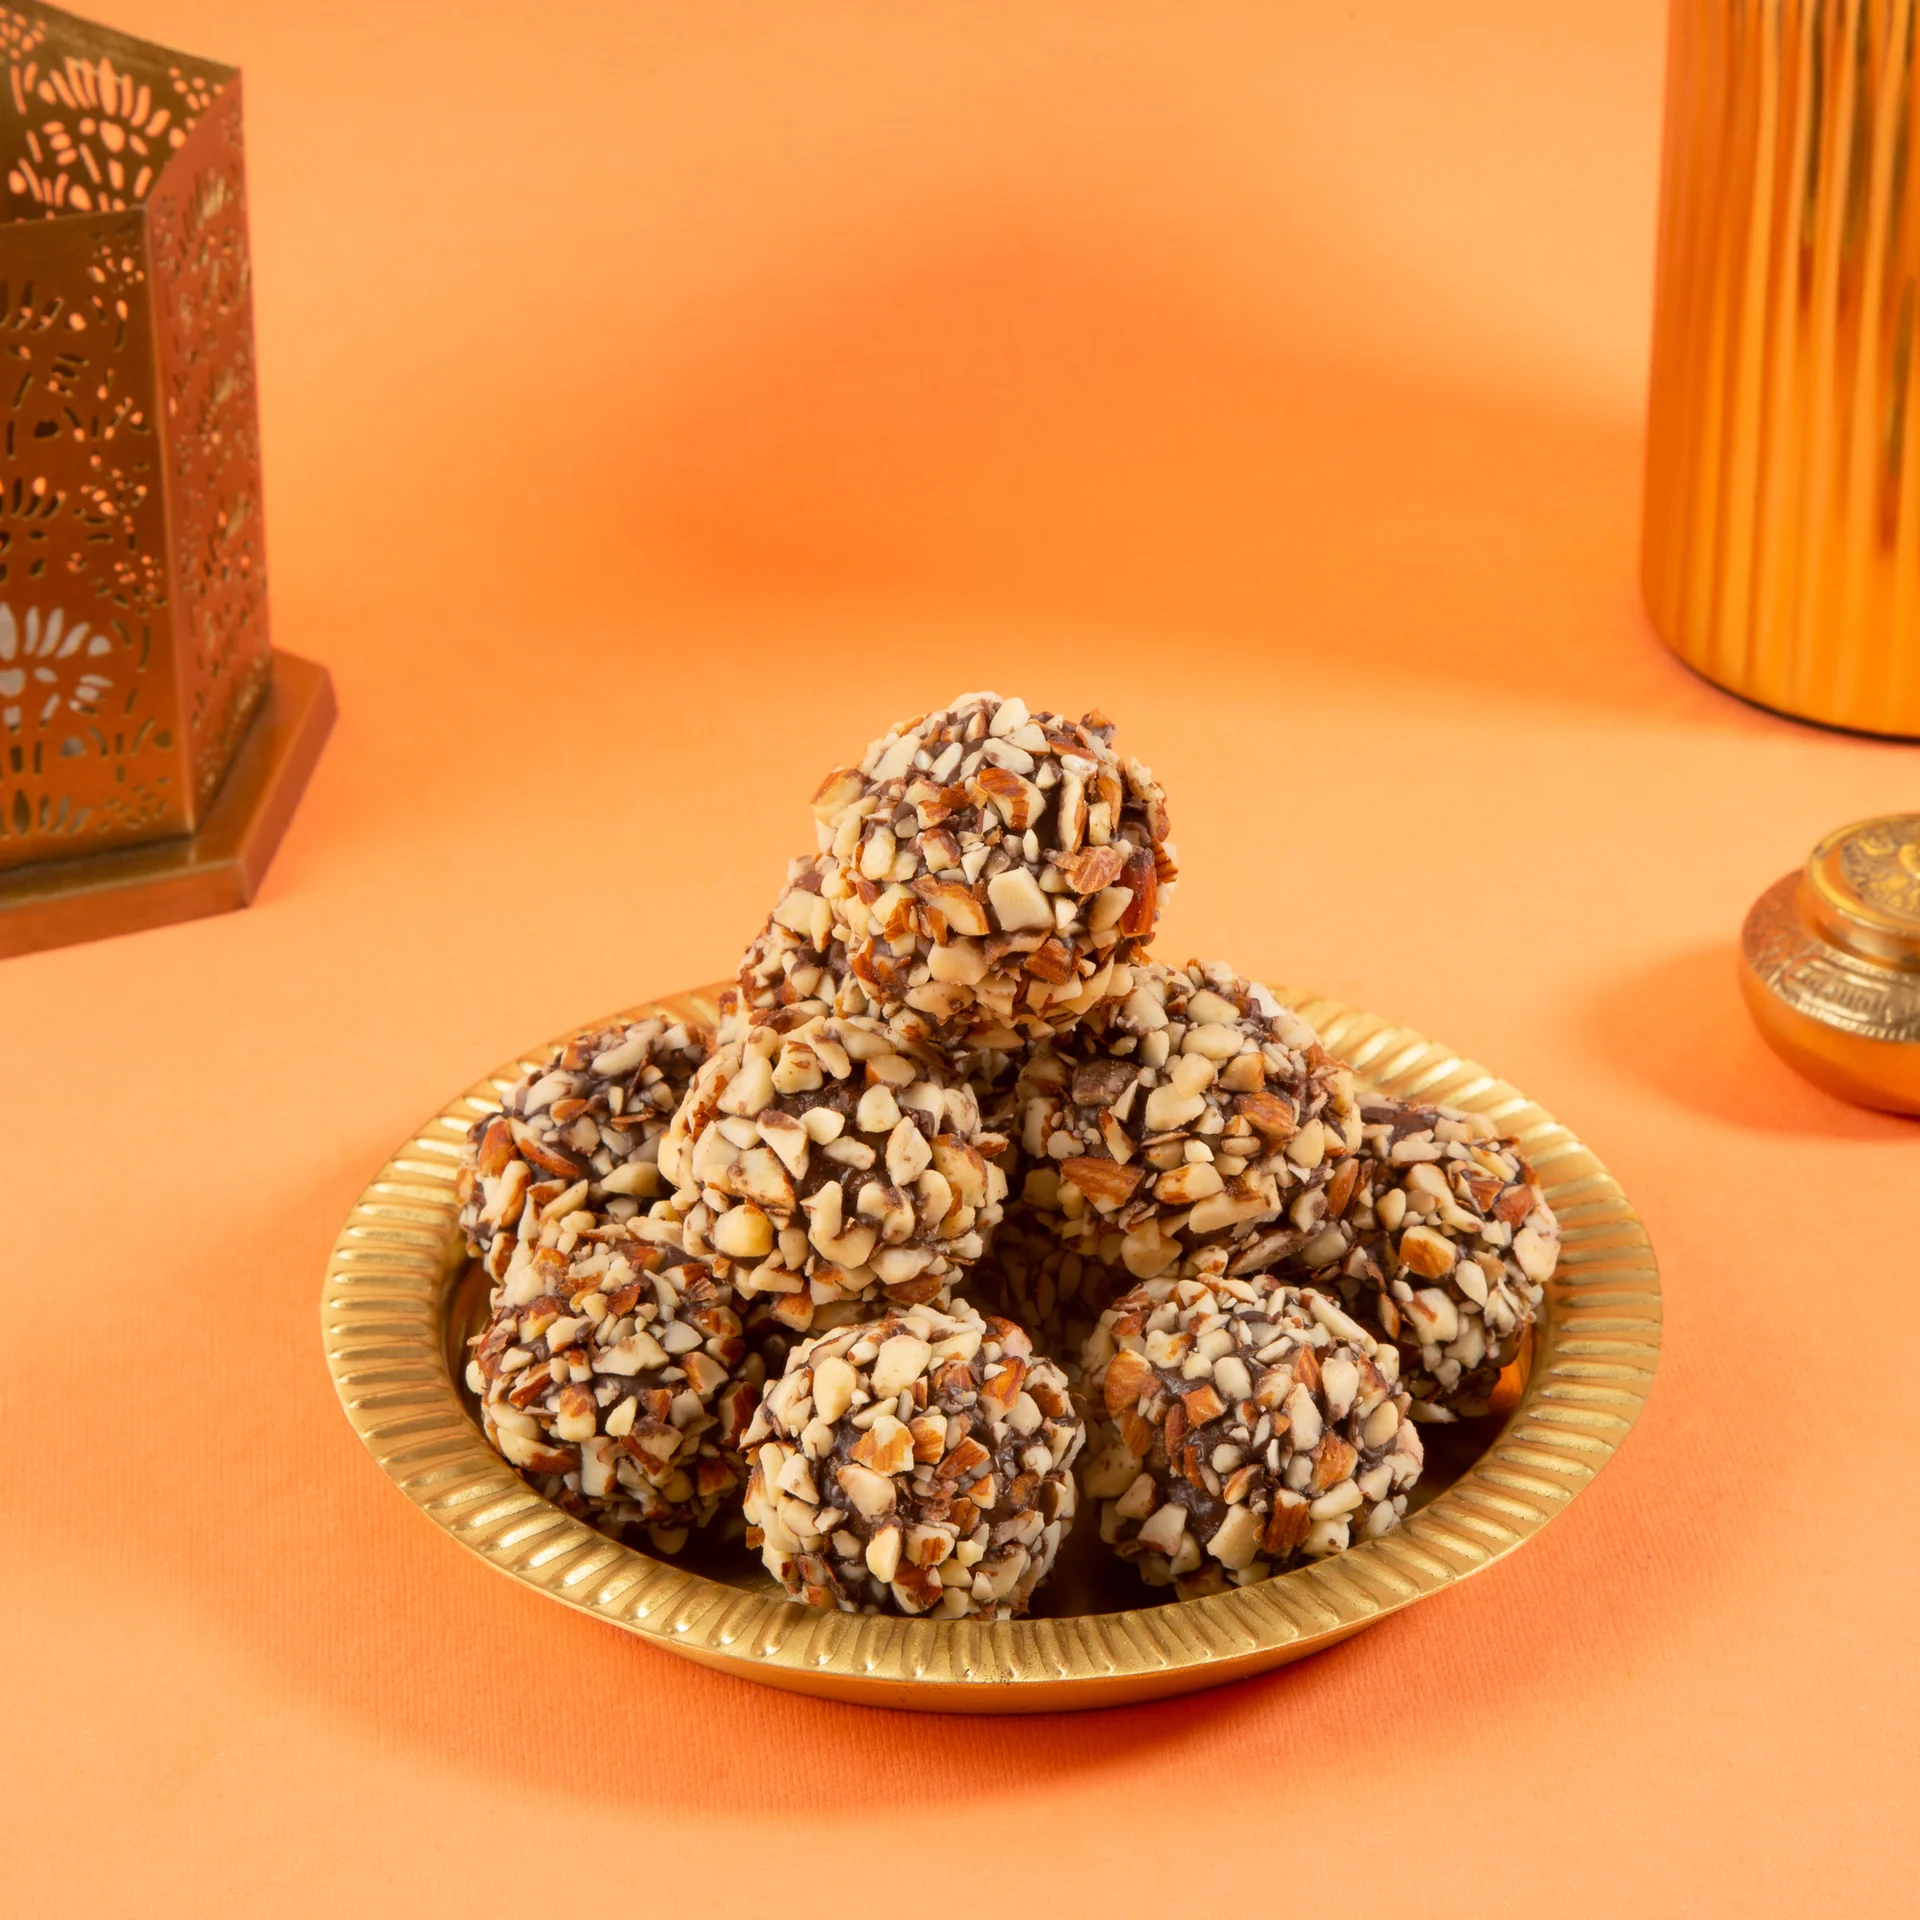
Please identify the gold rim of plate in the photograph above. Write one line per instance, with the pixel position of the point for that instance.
(400, 1257)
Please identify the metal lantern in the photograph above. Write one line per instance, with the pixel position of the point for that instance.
(135, 671)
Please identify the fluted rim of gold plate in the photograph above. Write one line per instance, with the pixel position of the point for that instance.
(1595, 1350)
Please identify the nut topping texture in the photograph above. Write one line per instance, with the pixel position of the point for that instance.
(1052, 1289)
(989, 869)
(1241, 1426)
(594, 1119)
(920, 1463)
(826, 1162)
(742, 1268)
(796, 968)
(615, 1376)
(1437, 1235)
(1196, 1113)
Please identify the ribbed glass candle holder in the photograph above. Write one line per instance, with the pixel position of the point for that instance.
(1781, 549)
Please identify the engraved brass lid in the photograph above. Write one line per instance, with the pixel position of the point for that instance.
(1830, 962)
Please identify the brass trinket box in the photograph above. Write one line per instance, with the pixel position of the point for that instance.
(1830, 963)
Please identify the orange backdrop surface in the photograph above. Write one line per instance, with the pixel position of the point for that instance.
(658, 400)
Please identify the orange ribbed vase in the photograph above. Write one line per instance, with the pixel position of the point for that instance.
(1781, 547)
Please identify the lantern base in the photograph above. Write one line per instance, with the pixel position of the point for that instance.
(57, 903)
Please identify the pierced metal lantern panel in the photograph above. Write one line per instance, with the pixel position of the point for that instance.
(133, 612)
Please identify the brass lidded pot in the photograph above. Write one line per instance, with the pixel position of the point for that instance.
(1830, 964)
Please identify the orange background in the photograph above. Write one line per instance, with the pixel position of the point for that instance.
(658, 400)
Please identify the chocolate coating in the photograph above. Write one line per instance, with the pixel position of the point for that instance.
(1052, 1289)
(1437, 1234)
(830, 1161)
(919, 1464)
(983, 867)
(1195, 1114)
(1242, 1426)
(615, 1376)
(596, 1116)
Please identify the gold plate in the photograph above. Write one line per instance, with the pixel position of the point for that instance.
(400, 1298)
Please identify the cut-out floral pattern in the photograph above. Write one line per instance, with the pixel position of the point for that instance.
(45, 670)
(197, 230)
(107, 134)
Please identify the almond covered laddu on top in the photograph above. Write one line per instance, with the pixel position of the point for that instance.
(827, 1162)
(1194, 1116)
(990, 869)
(1243, 1426)
(919, 1464)
(593, 1120)
(1437, 1233)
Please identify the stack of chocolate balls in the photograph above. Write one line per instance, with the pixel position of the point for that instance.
(971, 1207)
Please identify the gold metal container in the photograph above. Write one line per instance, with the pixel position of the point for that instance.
(1781, 543)
(1830, 963)
(134, 656)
